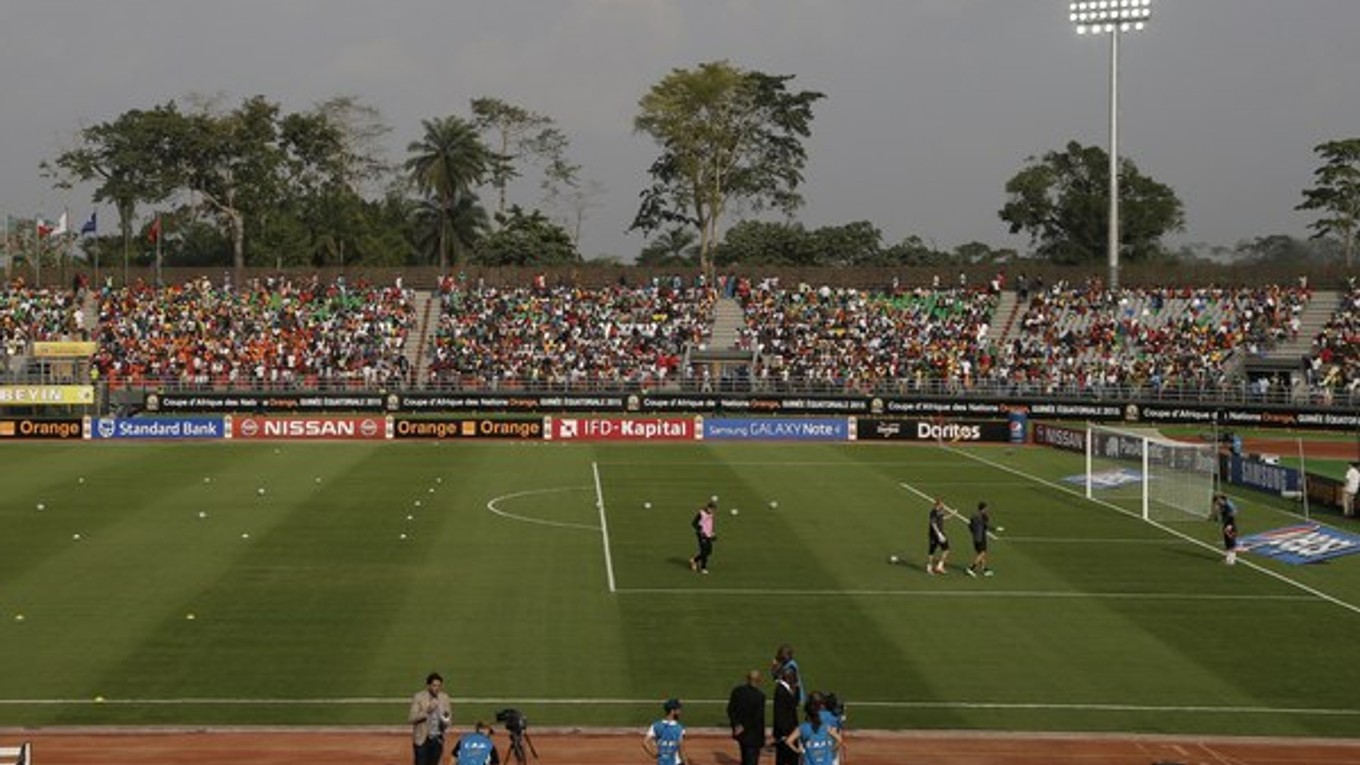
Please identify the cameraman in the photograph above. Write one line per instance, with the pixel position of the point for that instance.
(476, 748)
(431, 714)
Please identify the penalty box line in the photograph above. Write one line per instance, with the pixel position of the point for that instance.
(1163, 527)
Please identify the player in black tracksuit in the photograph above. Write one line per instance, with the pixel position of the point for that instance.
(978, 526)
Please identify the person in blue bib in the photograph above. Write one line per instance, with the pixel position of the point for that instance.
(476, 747)
(815, 741)
(665, 738)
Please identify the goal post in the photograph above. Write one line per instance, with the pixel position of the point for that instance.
(1156, 477)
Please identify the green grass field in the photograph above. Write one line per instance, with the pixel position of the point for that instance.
(325, 614)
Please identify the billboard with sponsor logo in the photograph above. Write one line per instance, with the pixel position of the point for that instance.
(867, 429)
(1305, 543)
(775, 429)
(309, 428)
(1068, 439)
(157, 428)
(264, 402)
(641, 429)
(50, 430)
(46, 395)
(470, 427)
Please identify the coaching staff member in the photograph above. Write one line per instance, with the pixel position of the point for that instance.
(785, 716)
(746, 713)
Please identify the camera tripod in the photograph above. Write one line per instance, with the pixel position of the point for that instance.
(515, 752)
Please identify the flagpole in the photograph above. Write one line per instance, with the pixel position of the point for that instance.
(37, 260)
(9, 253)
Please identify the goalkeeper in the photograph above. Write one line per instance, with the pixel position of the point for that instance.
(1227, 515)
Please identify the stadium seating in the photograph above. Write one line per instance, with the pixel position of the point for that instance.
(269, 332)
(564, 335)
(1334, 364)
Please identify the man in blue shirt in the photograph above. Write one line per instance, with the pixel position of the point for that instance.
(665, 739)
(476, 747)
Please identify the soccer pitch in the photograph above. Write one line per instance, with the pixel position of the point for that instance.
(536, 575)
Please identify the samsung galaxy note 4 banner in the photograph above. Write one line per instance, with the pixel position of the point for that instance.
(776, 429)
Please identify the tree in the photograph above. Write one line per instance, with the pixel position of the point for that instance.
(445, 165)
(725, 135)
(122, 157)
(527, 239)
(673, 247)
(1062, 201)
(518, 136)
(1336, 194)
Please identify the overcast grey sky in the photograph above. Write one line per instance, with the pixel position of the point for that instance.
(931, 104)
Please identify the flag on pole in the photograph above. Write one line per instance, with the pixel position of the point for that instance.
(91, 226)
(43, 227)
(154, 235)
(60, 228)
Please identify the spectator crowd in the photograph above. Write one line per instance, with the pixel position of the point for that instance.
(269, 332)
(564, 334)
(1064, 339)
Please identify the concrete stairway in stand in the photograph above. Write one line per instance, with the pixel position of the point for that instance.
(1004, 319)
(728, 321)
(1316, 314)
(426, 311)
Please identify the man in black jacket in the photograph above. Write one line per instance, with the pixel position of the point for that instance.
(746, 713)
(785, 716)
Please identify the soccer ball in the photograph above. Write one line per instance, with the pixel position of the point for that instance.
(260, 491)
(734, 511)
(774, 505)
(892, 558)
(646, 505)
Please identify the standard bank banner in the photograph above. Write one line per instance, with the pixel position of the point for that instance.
(157, 428)
(776, 429)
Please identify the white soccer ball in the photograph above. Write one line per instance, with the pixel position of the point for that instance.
(206, 479)
(245, 535)
(403, 536)
(260, 491)
(713, 498)
(417, 503)
(318, 479)
(41, 506)
(774, 505)
(892, 558)
(734, 511)
(1000, 528)
(75, 536)
(80, 479)
(646, 505)
(202, 514)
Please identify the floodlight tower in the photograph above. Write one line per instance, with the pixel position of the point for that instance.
(1112, 17)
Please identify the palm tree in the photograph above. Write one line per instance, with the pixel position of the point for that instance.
(457, 227)
(446, 164)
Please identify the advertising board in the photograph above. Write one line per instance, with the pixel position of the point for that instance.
(308, 428)
(775, 429)
(168, 428)
(644, 429)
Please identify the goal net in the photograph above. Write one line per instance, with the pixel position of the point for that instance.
(1147, 473)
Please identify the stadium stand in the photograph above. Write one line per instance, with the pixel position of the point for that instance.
(562, 336)
(270, 332)
(827, 338)
(1334, 364)
(1066, 339)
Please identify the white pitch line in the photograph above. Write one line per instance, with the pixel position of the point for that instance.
(934, 593)
(952, 511)
(980, 705)
(1087, 540)
(604, 527)
(1173, 532)
(494, 501)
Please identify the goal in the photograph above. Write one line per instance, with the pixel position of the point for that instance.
(1159, 478)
